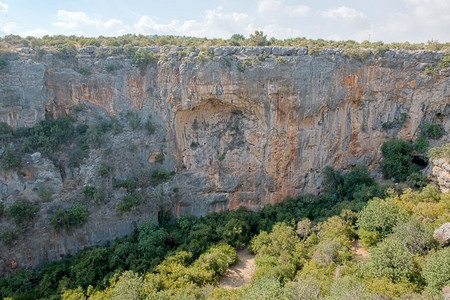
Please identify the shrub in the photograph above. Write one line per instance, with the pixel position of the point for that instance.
(45, 194)
(415, 236)
(159, 158)
(8, 237)
(440, 152)
(75, 216)
(160, 176)
(93, 194)
(22, 211)
(104, 170)
(396, 123)
(6, 132)
(378, 219)
(416, 180)
(129, 201)
(3, 64)
(390, 259)
(10, 159)
(84, 71)
(258, 39)
(129, 184)
(134, 120)
(437, 269)
(150, 127)
(142, 58)
(112, 67)
(432, 131)
(397, 159)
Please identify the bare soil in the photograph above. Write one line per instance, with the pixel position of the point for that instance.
(359, 252)
(240, 273)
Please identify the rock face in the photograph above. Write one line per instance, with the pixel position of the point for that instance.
(442, 234)
(440, 173)
(242, 127)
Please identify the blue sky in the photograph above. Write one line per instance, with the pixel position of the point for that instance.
(381, 20)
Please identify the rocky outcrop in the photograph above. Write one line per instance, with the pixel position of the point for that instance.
(442, 234)
(238, 126)
(439, 172)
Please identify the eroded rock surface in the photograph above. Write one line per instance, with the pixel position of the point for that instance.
(243, 127)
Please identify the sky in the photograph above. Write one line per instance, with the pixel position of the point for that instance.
(382, 20)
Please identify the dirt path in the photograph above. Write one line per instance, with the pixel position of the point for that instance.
(359, 252)
(241, 273)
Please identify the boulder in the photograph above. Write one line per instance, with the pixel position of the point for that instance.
(442, 234)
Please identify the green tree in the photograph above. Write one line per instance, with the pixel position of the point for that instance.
(22, 211)
(416, 236)
(437, 269)
(258, 39)
(397, 160)
(10, 159)
(236, 39)
(378, 219)
(390, 259)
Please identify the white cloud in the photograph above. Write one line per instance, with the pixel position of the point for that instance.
(281, 32)
(78, 22)
(39, 32)
(349, 16)
(279, 8)
(215, 23)
(8, 28)
(3, 7)
(422, 20)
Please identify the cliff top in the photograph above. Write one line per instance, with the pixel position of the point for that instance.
(126, 43)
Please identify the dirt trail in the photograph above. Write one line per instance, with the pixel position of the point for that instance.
(241, 273)
(359, 252)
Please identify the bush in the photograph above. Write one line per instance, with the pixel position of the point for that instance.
(416, 180)
(432, 131)
(437, 269)
(93, 194)
(45, 194)
(390, 259)
(129, 201)
(10, 159)
(150, 127)
(104, 170)
(75, 216)
(397, 160)
(22, 211)
(134, 120)
(415, 236)
(6, 132)
(440, 152)
(159, 158)
(160, 176)
(378, 219)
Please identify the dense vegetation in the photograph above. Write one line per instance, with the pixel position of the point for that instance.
(183, 258)
(125, 45)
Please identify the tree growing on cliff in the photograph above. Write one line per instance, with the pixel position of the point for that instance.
(258, 39)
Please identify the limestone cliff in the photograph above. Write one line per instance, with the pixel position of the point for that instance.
(240, 126)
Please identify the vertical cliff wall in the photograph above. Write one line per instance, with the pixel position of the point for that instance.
(242, 127)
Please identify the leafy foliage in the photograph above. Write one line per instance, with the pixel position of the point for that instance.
(397, 159)
(437, 269)
(22, 211)
(378, 219)
(75, 216)
(390, 259)
(10, 159)
(432, 131)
